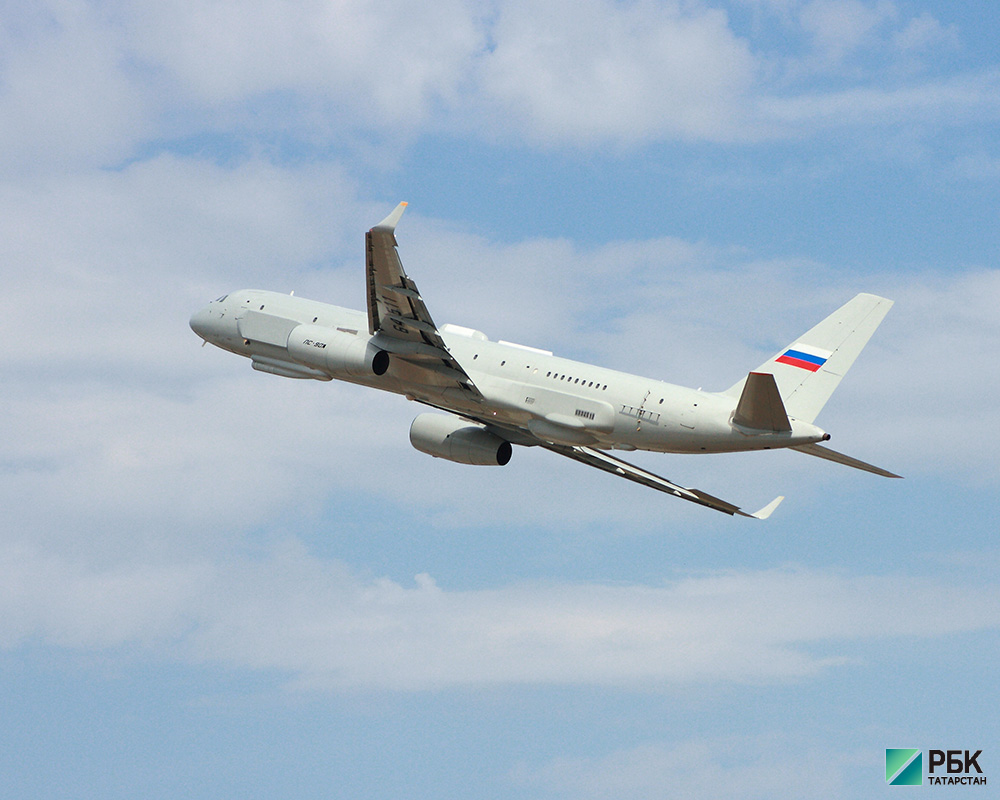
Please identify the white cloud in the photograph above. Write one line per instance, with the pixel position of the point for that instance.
(752, 767)
(585, 74)
(119, 258)
(65, 98)
(951, 102)
(87, 85)
(924, 32)
(582, 73)
(323, 628)
(120, 426)
(391, 63)
(75, 607)
(597, 71)
(839, 26)
(927, 360)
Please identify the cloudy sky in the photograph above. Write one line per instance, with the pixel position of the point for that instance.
(219, 583)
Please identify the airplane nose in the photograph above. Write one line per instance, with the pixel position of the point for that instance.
(203, 323)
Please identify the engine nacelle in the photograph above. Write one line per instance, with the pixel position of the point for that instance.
(455, 439)
(336, 352)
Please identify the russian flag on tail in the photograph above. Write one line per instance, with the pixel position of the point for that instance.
(804, 356)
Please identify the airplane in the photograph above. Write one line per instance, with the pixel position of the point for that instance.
(489, 396)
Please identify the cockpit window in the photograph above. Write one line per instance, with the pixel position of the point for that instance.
(220, 299)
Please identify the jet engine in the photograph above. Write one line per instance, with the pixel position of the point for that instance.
(457, 440)
(336, 352)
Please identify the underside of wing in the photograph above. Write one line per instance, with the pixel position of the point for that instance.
(609, 463)
(396, 312)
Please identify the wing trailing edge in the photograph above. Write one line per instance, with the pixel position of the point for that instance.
(608, 463)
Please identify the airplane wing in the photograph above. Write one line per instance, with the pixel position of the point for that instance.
(397, 312)
(608, 463)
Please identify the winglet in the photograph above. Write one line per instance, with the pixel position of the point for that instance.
(388, 225)
(767, 510)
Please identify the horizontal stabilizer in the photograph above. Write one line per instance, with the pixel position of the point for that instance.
(760, 405)
(840, 458)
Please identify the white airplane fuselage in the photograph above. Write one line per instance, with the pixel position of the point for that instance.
(523, 389)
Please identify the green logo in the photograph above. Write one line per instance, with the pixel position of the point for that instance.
(904, 767)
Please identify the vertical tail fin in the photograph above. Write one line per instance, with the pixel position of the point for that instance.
(809, 369)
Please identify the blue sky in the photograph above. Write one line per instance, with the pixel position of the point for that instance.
(219, 583)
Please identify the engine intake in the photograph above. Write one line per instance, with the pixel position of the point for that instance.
(455, 439)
